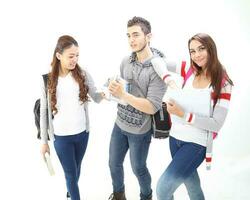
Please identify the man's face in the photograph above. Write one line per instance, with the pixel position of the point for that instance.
(137, 39)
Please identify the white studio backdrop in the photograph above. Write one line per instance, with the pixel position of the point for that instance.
(29, 31)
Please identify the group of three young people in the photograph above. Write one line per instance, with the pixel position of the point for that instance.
(64, 112)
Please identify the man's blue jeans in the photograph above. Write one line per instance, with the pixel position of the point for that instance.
(186, 157)
(138, 146)
(70, 151)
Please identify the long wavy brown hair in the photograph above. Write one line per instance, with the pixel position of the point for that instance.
(65, 42)
(215, 69)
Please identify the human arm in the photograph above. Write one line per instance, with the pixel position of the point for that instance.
(44, 118)
(152, 92)
(116, 88)
(217, 119)
(45, 149)
(43, 112)
(163, 68)
(96, 96)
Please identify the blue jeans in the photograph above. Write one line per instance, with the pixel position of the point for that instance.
(138, 146)
(186, 157)
(70, 151)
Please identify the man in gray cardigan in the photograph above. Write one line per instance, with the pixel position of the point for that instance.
(132, 129)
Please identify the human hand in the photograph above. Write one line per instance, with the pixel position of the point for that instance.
(45, 149)
(104, 95)
(116, 88)
(174, 109)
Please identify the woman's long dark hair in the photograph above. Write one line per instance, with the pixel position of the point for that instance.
(215, 69)
(65, 42)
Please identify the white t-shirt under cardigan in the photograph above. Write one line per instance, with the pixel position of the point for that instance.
(70, 119)
(46, 125)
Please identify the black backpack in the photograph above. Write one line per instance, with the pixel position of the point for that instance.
(161, 122)
(36, 109)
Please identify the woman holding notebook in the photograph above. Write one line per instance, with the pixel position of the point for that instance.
(64, 114)
(191, 137)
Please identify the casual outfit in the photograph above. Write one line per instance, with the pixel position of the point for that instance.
(69, 128)
(191, 139)
(132, 129)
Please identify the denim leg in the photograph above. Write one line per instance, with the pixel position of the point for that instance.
(186, 157)
(193, 186)
(167, 183)
(138, 147)
(81, 142)
(117, 151)
(67, 150)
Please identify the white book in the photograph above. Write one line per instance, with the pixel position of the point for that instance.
(196, 101)
(49, 164)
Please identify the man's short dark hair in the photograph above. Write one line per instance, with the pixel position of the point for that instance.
(143, 23)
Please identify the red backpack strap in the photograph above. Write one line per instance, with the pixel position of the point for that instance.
(187, 75)
(183, 65)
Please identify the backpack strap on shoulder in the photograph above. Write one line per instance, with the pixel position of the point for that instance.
(187, 75)
(183, 65)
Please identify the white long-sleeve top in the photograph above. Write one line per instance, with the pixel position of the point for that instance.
(184, 131)
(46, 121)
(70, 119)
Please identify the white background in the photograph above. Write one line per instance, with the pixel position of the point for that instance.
(29, 31)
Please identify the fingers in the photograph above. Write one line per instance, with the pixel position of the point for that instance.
(170, 102)
(113, 85)
(48, 150)
(115, 88)
(112, 89)
(103, 95)
(45, 148)
(171, 106)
